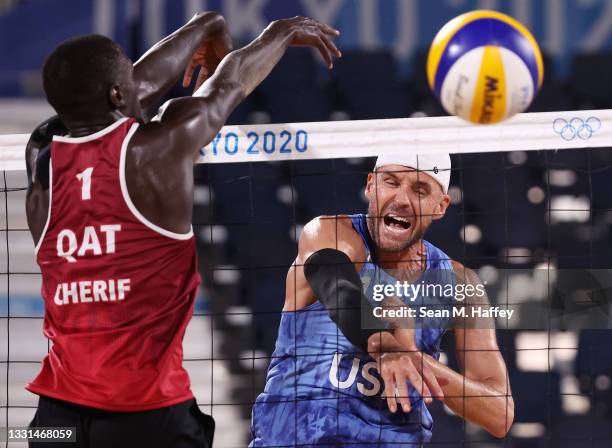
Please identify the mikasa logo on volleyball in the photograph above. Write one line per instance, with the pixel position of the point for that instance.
(491, 96)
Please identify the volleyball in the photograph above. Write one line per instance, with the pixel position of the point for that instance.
(484, 67)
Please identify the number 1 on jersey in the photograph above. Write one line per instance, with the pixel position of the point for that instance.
(85, 177)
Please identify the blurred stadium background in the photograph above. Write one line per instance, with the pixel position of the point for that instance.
(510, 210)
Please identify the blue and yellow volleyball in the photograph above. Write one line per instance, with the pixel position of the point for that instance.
(485, 66)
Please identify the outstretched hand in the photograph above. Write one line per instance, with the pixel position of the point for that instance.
(208, 56)
(399, 361)
(307, 32)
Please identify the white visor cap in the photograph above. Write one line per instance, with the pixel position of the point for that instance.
(436, 165)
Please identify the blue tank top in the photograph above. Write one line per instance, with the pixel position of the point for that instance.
(322, 390)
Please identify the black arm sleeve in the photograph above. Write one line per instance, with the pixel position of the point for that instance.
(336, 284)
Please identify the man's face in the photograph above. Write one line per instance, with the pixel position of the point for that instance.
(402, 205)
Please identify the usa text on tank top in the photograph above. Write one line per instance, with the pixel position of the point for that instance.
(118, 290)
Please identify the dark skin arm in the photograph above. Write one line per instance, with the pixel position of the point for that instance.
(154, 74)
(161, 67)
(162, 153)
(38, 195)
(37, 199)
(160, 157)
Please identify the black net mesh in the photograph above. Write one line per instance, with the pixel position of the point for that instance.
(511, 214)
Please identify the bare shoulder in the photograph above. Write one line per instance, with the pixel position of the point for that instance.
(465, 274)
(150, 141)
(152, 166)
(159, 184)
(323, 232)
(331, 232)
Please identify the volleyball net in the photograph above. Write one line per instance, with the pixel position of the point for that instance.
(531, 213)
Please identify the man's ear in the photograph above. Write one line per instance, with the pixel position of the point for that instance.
(370, 183)
(116, 97)
(441, 207)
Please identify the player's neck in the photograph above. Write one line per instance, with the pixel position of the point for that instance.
(80, 127)
(412, 258)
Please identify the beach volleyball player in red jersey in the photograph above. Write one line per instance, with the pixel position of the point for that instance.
(113, 229)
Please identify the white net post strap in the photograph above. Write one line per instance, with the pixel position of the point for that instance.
(368, 138)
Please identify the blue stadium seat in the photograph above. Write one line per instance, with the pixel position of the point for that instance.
(297, 106)
(267, 297)
(368, 87)
(361, 69)
(315, 196)
(537, 396)
(293, 92)
(418, 76)
(263, 291)
(312, 166)
(259, 245)
(594, 357)
(568, 159)
(502, 210)
(449, 430)
(247, 193)
(553, 95)
(580, 431)
(600, 184)
(590, 80)
(329, 186)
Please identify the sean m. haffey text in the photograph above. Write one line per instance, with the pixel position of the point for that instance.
(410, 292)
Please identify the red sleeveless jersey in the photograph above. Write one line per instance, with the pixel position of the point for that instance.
(118, 290)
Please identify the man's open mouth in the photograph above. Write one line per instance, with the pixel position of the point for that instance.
(396, 222)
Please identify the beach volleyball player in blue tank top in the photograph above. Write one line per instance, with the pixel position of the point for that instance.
(332, 381)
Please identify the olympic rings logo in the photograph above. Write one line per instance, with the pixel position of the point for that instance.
(576, 127)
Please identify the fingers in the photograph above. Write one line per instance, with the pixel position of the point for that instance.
(417, 381)
(402, 391)
(307, 21)
(328, 30)
(325, 45)
(202, 76)
(432, 383)
(325, 53)
(188, 74)
(198, 60)
(331, 46)
(374, 345)
(311, 33)
(389, 392)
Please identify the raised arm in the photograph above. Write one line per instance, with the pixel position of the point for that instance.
(154, 74)
(185, 125)
(163, 64)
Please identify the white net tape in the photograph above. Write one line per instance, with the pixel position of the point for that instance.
(367, 138)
